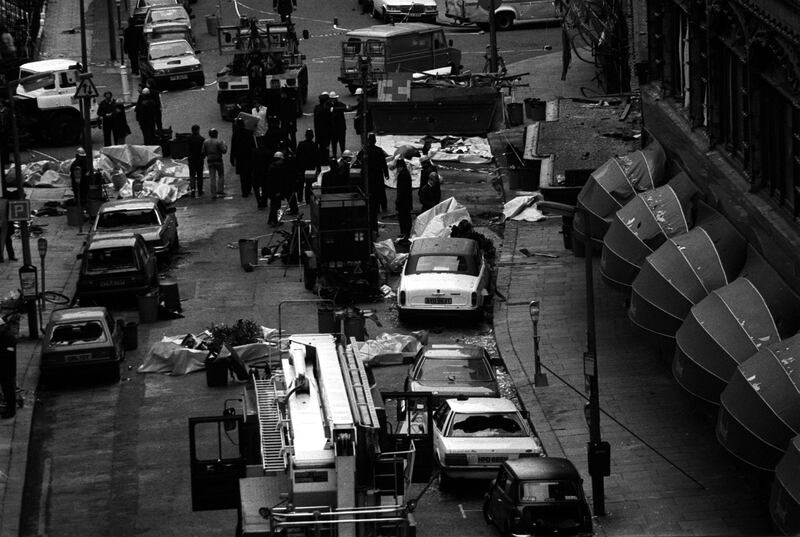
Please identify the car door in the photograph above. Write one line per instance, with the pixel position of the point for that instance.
(440, 424)
(117, 335)
(497, 500)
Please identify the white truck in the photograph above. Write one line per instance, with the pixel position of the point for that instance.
(506, 12)
(49, 110)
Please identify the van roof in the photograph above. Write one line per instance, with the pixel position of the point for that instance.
(45, 66)
(389, 30)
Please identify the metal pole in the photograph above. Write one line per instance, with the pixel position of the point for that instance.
(595, 439)
(492, 38)
(33, 325)
(86, 109)
(539, 378)
(364, 68)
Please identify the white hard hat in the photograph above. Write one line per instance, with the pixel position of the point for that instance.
(334, 95)
(146, 91)
(81, 151)
(359, 91)
(277, 154)
(347, 154)
(325, 93)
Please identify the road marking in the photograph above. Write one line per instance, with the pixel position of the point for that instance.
(461, 508)
(43, 498)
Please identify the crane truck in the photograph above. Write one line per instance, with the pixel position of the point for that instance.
(316, 449)
(266, 61)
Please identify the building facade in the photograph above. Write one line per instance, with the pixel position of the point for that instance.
(720, 90)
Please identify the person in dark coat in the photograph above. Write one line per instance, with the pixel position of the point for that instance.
(404, 202)
(147, 116)
(430, 193)
(426, 167)
(322, 123)
(262, 158)
(308, 158)
(284, 8)
(8, 363)
(288, 117)
(289, 189)
(105, 111)
(119, 124)
(78, 173)
(274, 136)
(338, 124)
(196, 161)
(132, 40)
(277, 179)
(377, 173)
(358, 120)
(242, 146)
(6, 226)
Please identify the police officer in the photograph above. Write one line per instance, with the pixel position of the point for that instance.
(8, 363)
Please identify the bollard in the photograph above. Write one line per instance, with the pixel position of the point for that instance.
(126, 89)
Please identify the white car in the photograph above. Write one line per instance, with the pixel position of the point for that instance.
(161, 15)
(473, 436)
(172, 62)
(443, 275)
(405, 10)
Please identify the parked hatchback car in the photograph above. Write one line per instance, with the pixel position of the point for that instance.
(449, 370)
(140, 11)
(172, 62)
(114, 267)
(82, 338)
(149, 217)
(538, 496)
(473, 436)
(443, 275)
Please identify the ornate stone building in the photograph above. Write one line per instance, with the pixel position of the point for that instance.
(721, 92)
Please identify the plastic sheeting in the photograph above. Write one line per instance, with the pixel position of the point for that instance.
(388, 349)
(437, 221)
(784, 501)
(683, 270)
(643, 225)
(523, 208)
(760, 408)
(131, 157)
(611, 186)
(388, 256)
(168, 356)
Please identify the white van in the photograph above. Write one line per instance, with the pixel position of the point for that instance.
(506, 12)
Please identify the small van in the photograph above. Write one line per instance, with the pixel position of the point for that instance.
(411, 47)
(506, 13)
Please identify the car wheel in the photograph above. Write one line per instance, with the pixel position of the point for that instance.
(176, 244)
(505, 531)
(444, 482)
(403, 316)
(113, 373)
(504, 21)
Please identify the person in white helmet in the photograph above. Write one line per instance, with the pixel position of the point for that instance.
(338, 124)
(358, 120)
(277, 180)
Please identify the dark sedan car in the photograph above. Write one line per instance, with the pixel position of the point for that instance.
(114, 267)
(82, 338)
(538, 496)
(451, 370)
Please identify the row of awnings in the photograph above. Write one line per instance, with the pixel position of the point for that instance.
(694, 278)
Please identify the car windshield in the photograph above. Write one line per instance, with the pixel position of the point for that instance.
(78, 332)
(548, 491)
(457, 264)
(504, 425)
(128, 219)
(170, 50)
(110, 259)
(167, 15)
(454, 370)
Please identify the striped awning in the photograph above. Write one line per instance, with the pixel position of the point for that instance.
(683, 270)
(643, 225)
(760, 409)
(615, 183)
(784, 501)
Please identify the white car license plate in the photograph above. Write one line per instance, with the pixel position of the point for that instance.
(179, 77)
(112, 283)
(493, 459)
(438, 300)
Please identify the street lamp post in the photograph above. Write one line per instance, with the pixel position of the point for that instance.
(599, 452)
(363, 66)
(492, 38)
(539, 378)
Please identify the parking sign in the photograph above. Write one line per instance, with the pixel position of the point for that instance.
(19, 210)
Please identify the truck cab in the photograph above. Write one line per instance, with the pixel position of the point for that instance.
(52, 102)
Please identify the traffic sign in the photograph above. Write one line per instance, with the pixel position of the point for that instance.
(86, 88)
(19, 210)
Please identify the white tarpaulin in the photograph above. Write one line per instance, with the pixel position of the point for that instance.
(386, 345)
(437, 221)
(130, 157)
(523, 208)
(170, 357)
(388, 256)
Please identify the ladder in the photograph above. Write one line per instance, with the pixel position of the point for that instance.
(271, 424)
